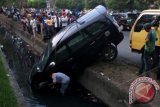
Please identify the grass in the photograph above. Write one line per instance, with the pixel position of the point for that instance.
(7, 96)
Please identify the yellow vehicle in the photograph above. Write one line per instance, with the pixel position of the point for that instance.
(138, 34)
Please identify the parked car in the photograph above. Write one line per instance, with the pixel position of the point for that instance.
(92, 36)
(125, 20)
(128, 20)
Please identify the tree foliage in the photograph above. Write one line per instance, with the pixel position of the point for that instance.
(93, 3)
(131, 4)
(88, 4)
(36, 3)
(8, 2)
(70, 4)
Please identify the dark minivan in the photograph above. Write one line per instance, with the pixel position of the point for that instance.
(76, 46)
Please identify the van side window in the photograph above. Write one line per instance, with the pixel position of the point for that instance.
(61, 54)
(60, 50)
(77, 41)
(97, 28)
(143, 19)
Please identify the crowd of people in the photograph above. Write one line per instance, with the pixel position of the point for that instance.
(46, 22)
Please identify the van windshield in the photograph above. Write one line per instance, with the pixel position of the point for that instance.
(45, 57)
(146, 18)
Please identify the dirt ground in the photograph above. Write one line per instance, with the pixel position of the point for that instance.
(117, 71)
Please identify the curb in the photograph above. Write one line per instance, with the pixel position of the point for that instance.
(106, 90)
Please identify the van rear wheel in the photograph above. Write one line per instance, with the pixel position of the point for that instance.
(110, 53)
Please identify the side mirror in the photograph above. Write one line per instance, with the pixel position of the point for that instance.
(38, 69)
(52, 64)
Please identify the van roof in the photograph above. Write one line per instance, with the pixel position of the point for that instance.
(82, 22)
(151, 11)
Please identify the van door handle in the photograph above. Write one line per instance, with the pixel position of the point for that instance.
(70, 59)
(92, 43)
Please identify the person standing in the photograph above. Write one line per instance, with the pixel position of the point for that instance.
(33, 24)
(64, 19)
(50, 23)
(149, 48)
(44, 26)
(23, 22)
(29, 29)
(58, 23)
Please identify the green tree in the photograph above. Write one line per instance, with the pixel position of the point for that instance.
(36, 3)
(131, 4)
(70, 3)
(89, 4)
(8, 2)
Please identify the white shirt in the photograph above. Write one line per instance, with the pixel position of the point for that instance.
(64, 21)
(33, 23)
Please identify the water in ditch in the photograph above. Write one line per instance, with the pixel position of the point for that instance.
(21, 59)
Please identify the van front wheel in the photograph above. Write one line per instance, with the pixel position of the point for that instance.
(34, 85)
(36, 80)
(110, 53)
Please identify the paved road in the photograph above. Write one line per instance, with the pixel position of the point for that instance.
(124, 51)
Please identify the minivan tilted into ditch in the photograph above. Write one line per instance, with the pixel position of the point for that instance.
(91, 36)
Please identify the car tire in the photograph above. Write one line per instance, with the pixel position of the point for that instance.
(35, 82)
(34, 85)
(110, 53)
